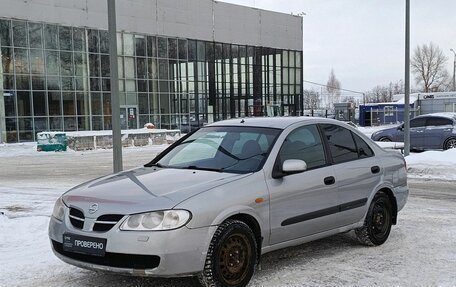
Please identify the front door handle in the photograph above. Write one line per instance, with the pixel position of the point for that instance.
(375, 169)
(330, 180)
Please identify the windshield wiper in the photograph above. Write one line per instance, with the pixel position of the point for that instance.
(203, 168)
(241, 159)
(156, 165)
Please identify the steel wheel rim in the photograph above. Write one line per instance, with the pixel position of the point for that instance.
(380, 220)
(234, 259)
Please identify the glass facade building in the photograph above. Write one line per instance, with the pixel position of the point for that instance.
(56, 78)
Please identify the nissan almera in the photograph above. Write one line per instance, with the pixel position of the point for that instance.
(212, 203)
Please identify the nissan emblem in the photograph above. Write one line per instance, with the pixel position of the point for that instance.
(93, 208)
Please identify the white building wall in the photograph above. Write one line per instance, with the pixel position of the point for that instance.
(195, 19)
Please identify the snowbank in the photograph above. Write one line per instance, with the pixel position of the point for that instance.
(432, 165)
(13, 150)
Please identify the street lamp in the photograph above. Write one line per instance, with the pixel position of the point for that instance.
(115, 105)
(407, 81)
(454, 69)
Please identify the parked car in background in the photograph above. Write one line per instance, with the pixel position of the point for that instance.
(427, 132)
(218, 198)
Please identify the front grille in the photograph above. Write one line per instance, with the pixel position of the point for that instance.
(106, 222)
(118, 260)
(77, 218)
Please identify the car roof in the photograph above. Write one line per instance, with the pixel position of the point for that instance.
(451, 116)
(271, 122)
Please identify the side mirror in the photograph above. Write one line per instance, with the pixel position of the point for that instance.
(291, 166)
(400, 128)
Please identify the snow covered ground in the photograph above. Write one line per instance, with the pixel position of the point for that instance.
(421, 250)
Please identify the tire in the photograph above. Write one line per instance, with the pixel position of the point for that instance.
(385, 139)
(378, 222)
(231, 258)
(449, 144)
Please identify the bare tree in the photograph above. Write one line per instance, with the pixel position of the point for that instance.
(379, 94)
(397, 88)
(385, 93)
(333, 88)
(349, 99)
(311, 99)
(428, 65)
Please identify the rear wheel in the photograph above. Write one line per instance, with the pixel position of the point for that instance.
(377, 225)
(231, 256)
(450, 143)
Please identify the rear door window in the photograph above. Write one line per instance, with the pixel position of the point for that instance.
(435, 122)
(363, 148)
(341, 144)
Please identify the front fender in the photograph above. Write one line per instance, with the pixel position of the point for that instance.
(241, 210)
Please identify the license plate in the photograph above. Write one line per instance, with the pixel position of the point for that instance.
(84, 244)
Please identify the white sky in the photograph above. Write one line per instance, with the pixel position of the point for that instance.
(364, 40)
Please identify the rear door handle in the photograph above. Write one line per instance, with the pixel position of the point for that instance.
(330, 180)
(375, 169)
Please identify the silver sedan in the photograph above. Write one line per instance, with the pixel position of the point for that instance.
(217, 199)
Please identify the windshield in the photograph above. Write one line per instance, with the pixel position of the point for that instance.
(229, 149)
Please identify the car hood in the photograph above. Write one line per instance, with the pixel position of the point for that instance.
(143, 189)
(385, 131)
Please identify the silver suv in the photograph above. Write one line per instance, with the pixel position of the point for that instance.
(217, 199)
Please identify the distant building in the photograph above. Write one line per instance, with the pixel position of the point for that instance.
(374, 114)
(436, 102)
(344, 112)
(181, 64)
(420, 103)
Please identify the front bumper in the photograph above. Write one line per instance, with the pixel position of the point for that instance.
(172, 253)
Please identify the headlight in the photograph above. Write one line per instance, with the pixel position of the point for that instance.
(59, 209)
(157, 220)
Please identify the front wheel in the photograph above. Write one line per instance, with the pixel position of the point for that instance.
(384, 139)
(231, 258)
(450, 143)
(377, 225)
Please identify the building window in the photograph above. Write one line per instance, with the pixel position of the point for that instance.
(389, 111)
(56, 78)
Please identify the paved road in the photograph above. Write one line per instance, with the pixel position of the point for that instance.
(70, 168)
(431, 189)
